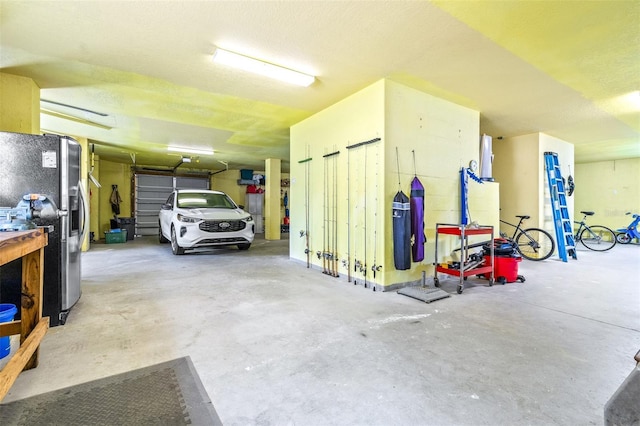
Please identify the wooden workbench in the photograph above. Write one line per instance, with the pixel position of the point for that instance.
(28, 245)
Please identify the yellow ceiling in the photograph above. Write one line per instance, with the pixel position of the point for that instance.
(566, 68)
(577, 46)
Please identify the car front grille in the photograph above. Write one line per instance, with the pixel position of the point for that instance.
(222, 225)
(221, 241)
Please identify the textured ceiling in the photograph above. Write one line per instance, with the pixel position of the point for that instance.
(568, 69)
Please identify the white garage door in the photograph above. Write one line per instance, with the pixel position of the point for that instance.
(151, 192)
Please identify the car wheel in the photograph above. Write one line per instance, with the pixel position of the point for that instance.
(244, 246)
(161, 237)
(175, 248)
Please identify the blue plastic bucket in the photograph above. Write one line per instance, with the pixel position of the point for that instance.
(7, 312)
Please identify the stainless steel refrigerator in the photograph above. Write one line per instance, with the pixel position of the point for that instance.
(48, 165)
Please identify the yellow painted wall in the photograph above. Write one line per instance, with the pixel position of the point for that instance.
(94, 200)
(519, 167)
(610, 189)
(19, 104)
(272, 218)
(443, 135)
(358, 118)
(113, 174)
(84, 158)
(20, 113)
(516, 168)
(227, 182)
(445, 138)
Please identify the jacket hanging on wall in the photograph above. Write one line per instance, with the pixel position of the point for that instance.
(417, 220)
(115, 200)
(401, 231)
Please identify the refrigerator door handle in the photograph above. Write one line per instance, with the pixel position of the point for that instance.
(85, 213)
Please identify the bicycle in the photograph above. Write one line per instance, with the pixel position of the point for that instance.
(595, 237)
(531, 243)
(625, 235)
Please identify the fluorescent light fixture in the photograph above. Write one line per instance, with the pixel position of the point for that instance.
(74, 107)
(257, 66)
(190, 150)
(74, 119)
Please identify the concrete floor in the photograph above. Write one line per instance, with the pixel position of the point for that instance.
(275, 343)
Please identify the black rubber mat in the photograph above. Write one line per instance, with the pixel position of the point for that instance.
(424, 294)
(170, 393)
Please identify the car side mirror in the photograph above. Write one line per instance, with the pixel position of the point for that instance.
(240, 206)
(166, 207)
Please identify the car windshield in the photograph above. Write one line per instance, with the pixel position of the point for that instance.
(198, 200)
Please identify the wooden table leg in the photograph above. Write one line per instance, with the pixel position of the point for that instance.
(32, 280)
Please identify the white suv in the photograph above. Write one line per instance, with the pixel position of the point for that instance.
(193, 218)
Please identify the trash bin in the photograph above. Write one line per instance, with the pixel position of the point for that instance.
(506, 258)
(128, 223)
(7, 313)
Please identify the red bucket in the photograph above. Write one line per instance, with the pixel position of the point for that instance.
(505, 268)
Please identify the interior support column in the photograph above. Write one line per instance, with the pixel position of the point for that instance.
(272, 199)
(20, 106)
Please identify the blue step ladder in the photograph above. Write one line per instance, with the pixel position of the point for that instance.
(561, 219)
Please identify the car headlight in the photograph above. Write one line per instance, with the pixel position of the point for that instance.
(248, 219)
(187, 219)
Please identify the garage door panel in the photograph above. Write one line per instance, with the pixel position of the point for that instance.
(191, 183)
(152, 191)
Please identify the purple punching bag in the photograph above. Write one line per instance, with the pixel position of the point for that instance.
(417, 220)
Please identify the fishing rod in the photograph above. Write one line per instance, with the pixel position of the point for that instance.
(327, 255)
(361, 266)
(305, 233)
(375, 268)
(335, 216)
(356, 261)
(364, 233)
(325, 208)
(346, 262)
(323, 254)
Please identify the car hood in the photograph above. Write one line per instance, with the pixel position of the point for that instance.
(215, 214)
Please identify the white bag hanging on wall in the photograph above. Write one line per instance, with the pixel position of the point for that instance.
(486, 158)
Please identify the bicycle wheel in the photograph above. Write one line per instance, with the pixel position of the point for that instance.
(623, 238)
(598, 238)
(535, 244)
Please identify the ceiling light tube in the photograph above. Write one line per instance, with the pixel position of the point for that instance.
(74, 107)
(256, 66)
(190, 150)
(75, 119)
